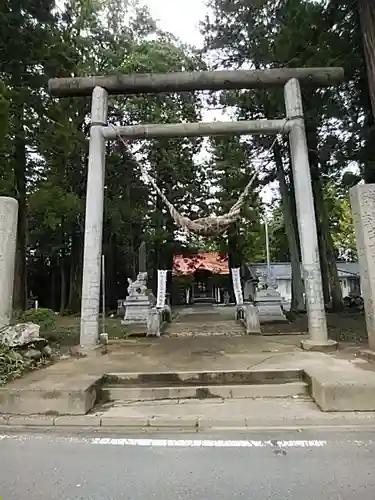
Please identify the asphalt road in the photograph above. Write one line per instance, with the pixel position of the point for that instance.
(311, 465)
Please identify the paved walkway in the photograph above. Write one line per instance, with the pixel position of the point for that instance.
(186, 354)
(339, 382)
(169, 354)
(204, 321)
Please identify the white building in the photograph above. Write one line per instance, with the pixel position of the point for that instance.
(282, 272)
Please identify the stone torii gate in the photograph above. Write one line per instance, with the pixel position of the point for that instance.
(99, 87)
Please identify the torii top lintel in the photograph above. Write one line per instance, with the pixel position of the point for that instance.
(138, 83)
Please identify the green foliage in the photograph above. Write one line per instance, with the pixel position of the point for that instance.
(4, 110)
(229, 171)
(12, 364)
(341, 222)
(43, 317)
(279, 250)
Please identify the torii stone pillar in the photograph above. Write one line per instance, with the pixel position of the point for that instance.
(8, 239)
(306, 222)
(94, 221)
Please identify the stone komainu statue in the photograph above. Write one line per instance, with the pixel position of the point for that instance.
(139, 286)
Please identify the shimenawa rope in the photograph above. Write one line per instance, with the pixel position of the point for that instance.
(205, 226)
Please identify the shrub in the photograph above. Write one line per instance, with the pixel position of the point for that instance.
(12, 365)
(46, 318)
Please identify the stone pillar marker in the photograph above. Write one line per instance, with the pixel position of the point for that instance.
(8, 239)
(142, 258)
(362, 198)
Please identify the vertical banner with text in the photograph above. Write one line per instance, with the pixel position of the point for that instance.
(237, 287)
(162, 288)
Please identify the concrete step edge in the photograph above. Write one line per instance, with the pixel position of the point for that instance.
(203, 377)
(243, 391)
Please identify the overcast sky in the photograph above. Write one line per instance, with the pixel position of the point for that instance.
(180, 17)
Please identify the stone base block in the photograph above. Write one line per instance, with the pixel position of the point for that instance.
(342, 391)
(269, 305)
(76, 401)
(271, 314)
(137, 310)
(321, 346)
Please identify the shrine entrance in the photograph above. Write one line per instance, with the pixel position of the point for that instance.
(292, 125)
(203, 288)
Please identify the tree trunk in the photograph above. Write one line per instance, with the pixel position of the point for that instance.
(169, 250)
(331, 283)
(75, 279)
(111, 288)
(324, 269)
(20, 281)
(298, 303)
(326, 248)
(366, 9)
(62, 286)
(52, 303)
(368, 150)
(366, 18)
(366, 84)
(235, 256)
(335, 290)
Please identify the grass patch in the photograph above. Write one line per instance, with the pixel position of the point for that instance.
(65, 332)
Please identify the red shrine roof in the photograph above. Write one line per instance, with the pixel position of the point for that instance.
(214, 262)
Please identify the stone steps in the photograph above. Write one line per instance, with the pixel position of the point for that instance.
(132, 394)
(209, 328)
(129, 388)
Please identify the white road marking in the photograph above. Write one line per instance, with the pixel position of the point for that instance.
(178, 443)
(208, 443)
(183, 443)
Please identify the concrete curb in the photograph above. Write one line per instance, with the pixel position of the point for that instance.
(160, 423)
(95, 421)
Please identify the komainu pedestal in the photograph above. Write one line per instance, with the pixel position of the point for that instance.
(138, 302)
(269, 303)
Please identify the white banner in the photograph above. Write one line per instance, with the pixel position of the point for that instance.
(162, 288)
(236, 280)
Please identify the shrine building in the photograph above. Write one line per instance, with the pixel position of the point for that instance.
(201, 278)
